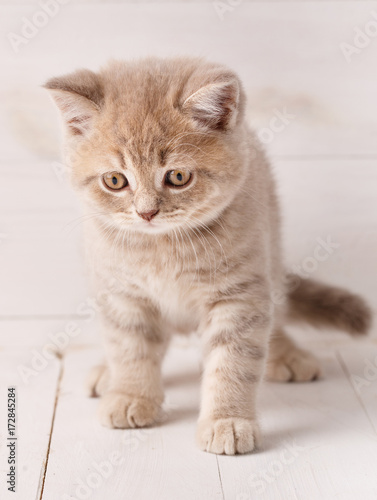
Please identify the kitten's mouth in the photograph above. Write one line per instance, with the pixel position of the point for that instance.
(151, 227)
(149, 224)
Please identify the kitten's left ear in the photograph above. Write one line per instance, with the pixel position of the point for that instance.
(79, 96)
(215, 106)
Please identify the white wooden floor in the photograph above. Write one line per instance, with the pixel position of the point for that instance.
(320, 439)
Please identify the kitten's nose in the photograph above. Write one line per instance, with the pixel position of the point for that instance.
(148, 216)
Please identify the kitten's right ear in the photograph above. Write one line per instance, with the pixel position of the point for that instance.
(216, 105)
(79, 96)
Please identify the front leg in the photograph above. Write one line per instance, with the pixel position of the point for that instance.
(135, 347)
(235, 350)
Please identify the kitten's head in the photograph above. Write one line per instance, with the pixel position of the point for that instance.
(156, 144)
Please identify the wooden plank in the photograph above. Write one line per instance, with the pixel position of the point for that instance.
(35, 409)
(318, 443)
(160, 463)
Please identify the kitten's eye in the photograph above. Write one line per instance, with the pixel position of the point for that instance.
(115, 181)
(177, 178)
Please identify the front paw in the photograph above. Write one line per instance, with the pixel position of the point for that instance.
(120, 411)
(228, 435)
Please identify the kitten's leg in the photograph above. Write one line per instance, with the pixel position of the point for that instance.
(287, 362)
(235, 350)
(135, 347)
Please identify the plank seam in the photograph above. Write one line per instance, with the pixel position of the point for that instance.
(348, 375)
(221, 481)
(57, 394)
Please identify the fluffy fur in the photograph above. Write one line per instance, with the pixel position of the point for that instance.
(208, 261)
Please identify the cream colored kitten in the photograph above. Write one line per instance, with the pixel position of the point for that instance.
(183, 219)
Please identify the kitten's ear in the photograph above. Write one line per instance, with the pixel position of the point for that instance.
(215, 106)
(79, 96)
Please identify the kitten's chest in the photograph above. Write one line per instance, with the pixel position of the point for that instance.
(177, 281)
(179, 298)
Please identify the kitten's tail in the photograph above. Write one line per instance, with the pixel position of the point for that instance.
(329, 306)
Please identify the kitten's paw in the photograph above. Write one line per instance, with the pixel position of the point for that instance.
(295, 366)
(228, 435)
(97, 381)
(120, 411)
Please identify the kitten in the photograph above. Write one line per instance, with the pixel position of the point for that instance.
(183, 235)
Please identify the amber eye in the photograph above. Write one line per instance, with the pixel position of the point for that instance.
(115, 181)
(177, 178)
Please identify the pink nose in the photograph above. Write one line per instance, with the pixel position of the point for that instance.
(148, 215)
